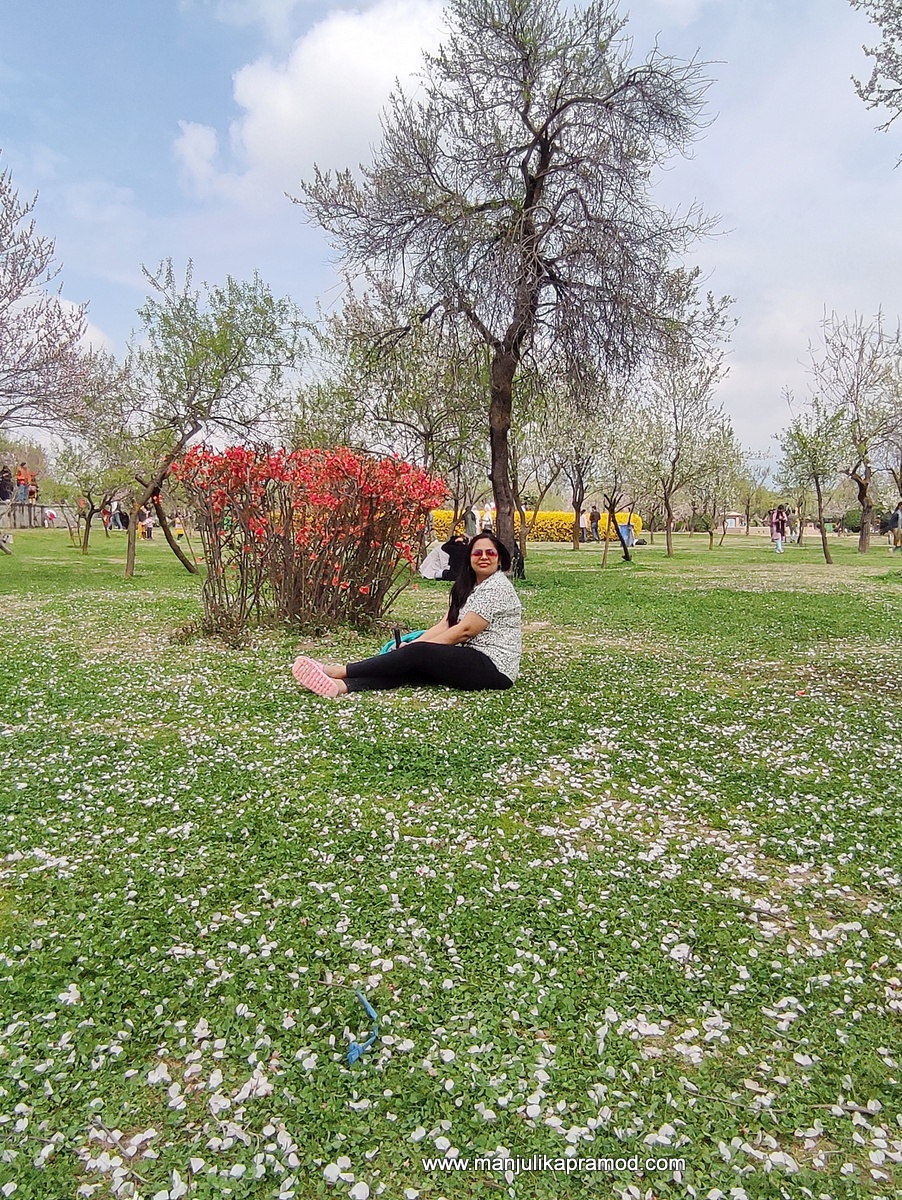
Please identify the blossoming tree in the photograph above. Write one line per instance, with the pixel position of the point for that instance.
(306, 537)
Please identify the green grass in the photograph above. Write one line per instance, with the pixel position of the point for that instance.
(647, 903)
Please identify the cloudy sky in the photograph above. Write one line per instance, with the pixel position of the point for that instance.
(175, 128)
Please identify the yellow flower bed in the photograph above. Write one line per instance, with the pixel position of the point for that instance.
(550, 526)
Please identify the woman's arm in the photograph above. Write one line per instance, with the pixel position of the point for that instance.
(452, 635)
(430, 634)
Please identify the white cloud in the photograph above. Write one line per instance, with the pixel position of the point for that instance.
(277, 18)
(197, 150)
(320, 105)
(682, 12)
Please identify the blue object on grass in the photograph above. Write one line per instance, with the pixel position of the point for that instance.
(355, 1050)
(405, 637)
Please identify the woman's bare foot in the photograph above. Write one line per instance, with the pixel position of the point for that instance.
(333, 670)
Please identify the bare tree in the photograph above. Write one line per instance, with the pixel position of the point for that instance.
(751, 486)
(719, 462)
(42, 364)
(619, 439)
(884, 87)
(210, 361)
(97, 476)
(892, 459)
(854, 372)
(514, 197)
(813, 451)
(677, 405)
(421, 395)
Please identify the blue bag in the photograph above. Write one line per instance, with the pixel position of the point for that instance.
(406, 637)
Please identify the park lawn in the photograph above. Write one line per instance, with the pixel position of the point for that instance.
(646, 904)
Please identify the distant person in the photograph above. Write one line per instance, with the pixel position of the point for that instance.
(793, 524)
(778, 528)
(115, 515)
(583, 525)
(458, 550)
(895, 528)
(471, 521)
(7, 487)
(594, 518)
(32, 498)
(487, 523)
(23, 477)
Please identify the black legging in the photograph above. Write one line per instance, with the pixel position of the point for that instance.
(419, 664)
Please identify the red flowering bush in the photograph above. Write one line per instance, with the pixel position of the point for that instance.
(311, 536)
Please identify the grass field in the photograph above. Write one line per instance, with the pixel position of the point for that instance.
(644, 906)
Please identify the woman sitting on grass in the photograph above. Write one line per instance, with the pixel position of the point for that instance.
(475, 648)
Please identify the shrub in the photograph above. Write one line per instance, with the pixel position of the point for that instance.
(308, 537)
(852, 520)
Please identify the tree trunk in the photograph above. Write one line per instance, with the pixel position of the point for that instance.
(173, 544)
(862, 480)
(539, 501)
(711, 538)
(162, 471)
(864, 536)
(627, 557)
(612, 502)
(131, 543)
(668, 526)
(577, 500)
(89, 517)
(518, 498)
(522, 530)
(504, 366)
(820, 520)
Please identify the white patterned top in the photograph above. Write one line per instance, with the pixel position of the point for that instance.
(496, 601)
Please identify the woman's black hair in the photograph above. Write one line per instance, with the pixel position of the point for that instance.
(466, 580)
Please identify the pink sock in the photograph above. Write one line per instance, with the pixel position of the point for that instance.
(310, 675)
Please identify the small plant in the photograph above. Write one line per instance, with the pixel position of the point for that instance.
(307, 537)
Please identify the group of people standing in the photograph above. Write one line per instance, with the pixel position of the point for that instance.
(24, 490)
(479, 521)
(18, 500)
(588, 524)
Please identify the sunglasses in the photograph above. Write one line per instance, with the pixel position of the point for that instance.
(483, 554)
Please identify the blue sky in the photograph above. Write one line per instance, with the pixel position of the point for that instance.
(175, 127)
